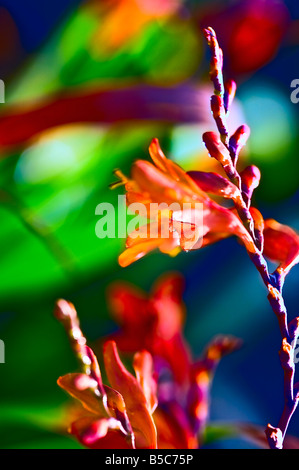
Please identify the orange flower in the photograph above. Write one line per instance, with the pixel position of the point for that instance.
(156, 323)
(193, 218)
(118, 417)
(153, 322)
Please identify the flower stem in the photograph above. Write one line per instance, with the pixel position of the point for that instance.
(273, 282)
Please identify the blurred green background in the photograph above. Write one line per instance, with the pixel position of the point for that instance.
(87, 86)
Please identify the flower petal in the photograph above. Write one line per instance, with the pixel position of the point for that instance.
(163, 187)
(143, 366)
(90, 401)
(168, 342)
(259, 226)
(117, 408)
(137, 408)
(218, 223)
(148, 238)
(189, 234)
(135, 252)
(201, 375)
(100, 434)
(168, 166)
(157, 155)
(281, 244)
(174, 430)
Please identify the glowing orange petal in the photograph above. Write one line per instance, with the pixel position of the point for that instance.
(257, 218)
(219, 222)
(137, 408)
(143, 366)
(171, 168)
(71, 383)
(157, 155)
(137, 251)
(259, 226)
(211, 238)
(148, 238)
(117, 408)
(190, 234)
(174, 430)
(162, 187)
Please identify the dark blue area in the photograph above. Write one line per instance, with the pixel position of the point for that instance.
(293, 6)
(35, 19)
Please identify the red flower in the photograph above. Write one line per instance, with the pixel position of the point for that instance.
(166, 403)
(281, 245)
(117, 417)
(183, 410)
(153, 322)
(165, 182)
(251, 32)
(156, 321)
